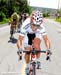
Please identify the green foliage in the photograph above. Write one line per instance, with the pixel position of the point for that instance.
(46, 14)
(59, 12)
(2, 16)
(4, 21)
(58, 19)
(7, 7)
(58, 15)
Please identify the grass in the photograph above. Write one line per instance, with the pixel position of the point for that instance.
(4, 21)
(58, 19)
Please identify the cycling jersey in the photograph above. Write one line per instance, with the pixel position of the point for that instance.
(26, 28)
(14, 17)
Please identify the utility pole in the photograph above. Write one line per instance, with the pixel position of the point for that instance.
(58, 4)
(29, 2)
(58, 9)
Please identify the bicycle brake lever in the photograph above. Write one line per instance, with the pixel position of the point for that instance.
(48, 56)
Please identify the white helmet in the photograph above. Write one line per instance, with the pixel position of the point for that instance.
(36, 18)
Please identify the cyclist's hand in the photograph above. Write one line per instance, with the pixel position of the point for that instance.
(48, 53)
(19, 52)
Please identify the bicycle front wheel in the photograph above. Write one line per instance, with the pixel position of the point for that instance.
(34, 68)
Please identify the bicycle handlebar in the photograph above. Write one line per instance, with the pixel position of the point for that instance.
(34, 51)
(41, 51)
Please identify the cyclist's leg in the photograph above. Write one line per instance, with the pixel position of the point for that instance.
(11, 33)
(36, 43)
(11, 30)
(27, 60)
(36, 46)
(27, 56)
(27, 47)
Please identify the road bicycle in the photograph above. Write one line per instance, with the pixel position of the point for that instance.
(32, 67)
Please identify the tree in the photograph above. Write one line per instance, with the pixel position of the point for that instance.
(22, 6)
(59, 12)
(10, 6)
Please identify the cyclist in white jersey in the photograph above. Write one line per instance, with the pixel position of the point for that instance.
(34, 30)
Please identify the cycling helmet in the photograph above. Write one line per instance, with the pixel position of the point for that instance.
(36, 18)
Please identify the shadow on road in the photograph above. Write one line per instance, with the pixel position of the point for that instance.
(13, 40)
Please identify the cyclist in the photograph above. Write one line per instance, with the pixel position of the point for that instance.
(34, 30)
(13, 23)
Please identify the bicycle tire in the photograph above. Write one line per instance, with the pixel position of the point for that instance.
(34, 69)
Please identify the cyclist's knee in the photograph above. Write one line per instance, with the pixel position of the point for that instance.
(28, 48)
(27, 58)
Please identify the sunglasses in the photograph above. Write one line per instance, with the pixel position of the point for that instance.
(35, 25)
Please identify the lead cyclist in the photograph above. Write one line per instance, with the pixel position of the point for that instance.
(34, 30)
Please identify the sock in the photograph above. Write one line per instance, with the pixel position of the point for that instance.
(38, 59)
(27, 65)
(38, 63)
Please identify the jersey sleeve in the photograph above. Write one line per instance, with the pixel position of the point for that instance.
(24, 27)
(22, 31)
(43, 30)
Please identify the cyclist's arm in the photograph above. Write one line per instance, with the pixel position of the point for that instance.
(21, 36)
(45, 38)
(19, 41)
(47, 42)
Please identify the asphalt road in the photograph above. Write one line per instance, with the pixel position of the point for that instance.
(9, 64)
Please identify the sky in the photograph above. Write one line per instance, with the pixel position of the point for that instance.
(45, 3)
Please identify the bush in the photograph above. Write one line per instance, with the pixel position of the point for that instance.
(46, 14)
(58, 19)
(2, 16)
(4, 21)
